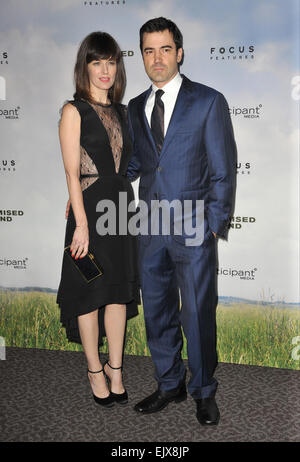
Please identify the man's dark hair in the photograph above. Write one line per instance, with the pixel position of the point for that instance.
(159, 25)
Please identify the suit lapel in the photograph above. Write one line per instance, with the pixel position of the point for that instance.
(144, 121)
(181, 107)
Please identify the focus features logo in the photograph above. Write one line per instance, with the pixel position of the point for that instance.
(3, 57)
(105, 3)
(243, 168)
(8, 215)
(10, 113)
(237, 222)
(20, 263)
(232, 53)
(246, 112)
(7, 165)
(248, 275)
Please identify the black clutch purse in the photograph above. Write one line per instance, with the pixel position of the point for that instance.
(88, 267)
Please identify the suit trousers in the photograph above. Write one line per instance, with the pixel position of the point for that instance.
(167, 267)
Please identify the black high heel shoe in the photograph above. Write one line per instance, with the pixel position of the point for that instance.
(109, 401)
(121, 398)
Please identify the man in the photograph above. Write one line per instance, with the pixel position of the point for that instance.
(183, 149)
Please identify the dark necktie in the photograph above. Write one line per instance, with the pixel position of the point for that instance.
(157, 120)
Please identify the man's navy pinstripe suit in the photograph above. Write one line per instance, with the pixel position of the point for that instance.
(197, 161)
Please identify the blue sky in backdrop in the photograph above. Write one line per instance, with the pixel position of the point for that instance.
(42, 39)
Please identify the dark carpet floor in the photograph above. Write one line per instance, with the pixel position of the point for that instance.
(46, 396)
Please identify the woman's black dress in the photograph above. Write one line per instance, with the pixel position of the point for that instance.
(105, 150)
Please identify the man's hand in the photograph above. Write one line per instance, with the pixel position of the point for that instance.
(214, 234)
(67, 209)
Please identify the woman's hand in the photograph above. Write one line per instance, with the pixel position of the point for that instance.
(80, 242)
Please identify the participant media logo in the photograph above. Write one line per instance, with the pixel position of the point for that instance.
(3, 57)
(14, 263)
(11, 113)
(246, 112)
(243, 274)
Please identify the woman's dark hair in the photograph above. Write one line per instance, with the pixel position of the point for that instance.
(96, 46)
(159, 25)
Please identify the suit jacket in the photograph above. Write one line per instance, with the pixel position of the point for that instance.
(198, 157)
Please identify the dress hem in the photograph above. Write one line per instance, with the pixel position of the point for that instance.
(70, 323)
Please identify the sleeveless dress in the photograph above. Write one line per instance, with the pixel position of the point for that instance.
(105, 150)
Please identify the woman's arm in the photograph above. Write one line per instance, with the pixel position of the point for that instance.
(69, 136)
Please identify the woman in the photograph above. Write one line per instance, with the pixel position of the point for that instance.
(96, 148)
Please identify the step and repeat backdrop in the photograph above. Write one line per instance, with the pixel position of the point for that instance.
(249, 51)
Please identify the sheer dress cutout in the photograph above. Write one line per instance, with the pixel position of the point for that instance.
(87, 167)
(113, 129)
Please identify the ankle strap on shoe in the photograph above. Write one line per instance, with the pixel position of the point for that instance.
(95, 372)
(115, 368)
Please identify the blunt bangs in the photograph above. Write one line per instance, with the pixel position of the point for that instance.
(102, 46)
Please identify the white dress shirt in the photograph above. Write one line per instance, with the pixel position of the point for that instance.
(169, 97)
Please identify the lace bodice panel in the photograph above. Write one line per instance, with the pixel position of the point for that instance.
(111, 123)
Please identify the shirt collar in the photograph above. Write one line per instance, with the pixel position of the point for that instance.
(171, 87)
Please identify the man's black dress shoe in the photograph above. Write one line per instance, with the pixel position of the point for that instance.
(207, 411)
(160, 399)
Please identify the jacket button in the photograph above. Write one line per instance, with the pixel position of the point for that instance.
(159, 169)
